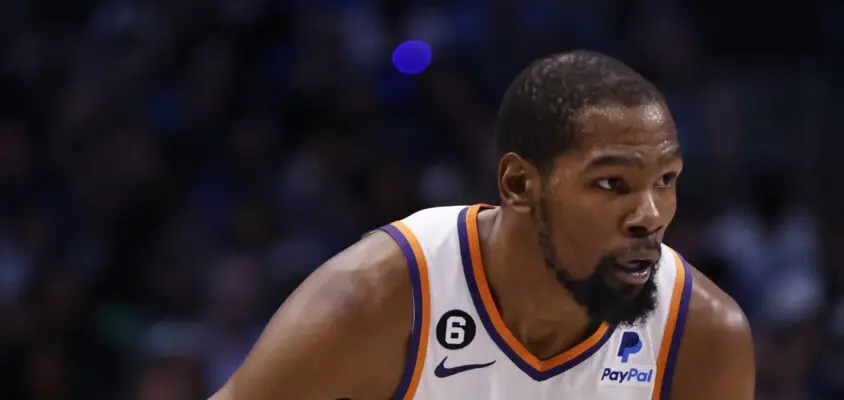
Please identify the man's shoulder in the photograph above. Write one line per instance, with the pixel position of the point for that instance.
(712, 311)
(370, 276)
(716, 356)
(356, 307)
(707, 308)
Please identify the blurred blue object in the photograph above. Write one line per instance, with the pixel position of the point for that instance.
(412, 57)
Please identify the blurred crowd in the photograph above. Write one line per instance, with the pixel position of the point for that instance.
(169, 172)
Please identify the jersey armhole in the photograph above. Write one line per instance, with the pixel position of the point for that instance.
(418, 344)
(673, 334)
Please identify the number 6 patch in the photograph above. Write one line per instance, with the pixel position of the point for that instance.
(455, 330)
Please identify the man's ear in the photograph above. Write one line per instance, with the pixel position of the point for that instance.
(519, 183)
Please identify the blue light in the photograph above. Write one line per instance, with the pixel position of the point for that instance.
(412, 57)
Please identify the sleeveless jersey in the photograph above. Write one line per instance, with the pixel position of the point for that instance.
(459, 347)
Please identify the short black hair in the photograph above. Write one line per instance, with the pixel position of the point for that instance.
(537, 117)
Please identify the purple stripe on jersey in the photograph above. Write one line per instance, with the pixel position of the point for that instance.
(528, 369)
(677, 337)
(416, 330)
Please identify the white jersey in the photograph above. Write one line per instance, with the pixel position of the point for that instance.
(460, 348)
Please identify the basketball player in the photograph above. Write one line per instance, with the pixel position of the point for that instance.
(563, 291)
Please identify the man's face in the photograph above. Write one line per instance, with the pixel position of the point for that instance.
(604, 207)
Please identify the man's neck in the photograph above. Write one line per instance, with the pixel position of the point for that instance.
(535, 307)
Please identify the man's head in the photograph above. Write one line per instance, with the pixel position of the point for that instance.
(589, 157)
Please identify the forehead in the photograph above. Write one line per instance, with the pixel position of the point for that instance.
(625, 125)
(642, 132)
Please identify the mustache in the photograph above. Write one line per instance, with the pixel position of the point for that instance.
(648, 244)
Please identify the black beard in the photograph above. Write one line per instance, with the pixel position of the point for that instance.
(617, 306)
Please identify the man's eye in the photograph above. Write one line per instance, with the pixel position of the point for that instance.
(667, 180)
(608, 183)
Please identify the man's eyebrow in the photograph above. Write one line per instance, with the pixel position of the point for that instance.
(625, 160)
(612, 160)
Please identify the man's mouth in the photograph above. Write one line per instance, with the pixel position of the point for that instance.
(635, 272)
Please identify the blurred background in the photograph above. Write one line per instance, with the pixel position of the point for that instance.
(170, 171)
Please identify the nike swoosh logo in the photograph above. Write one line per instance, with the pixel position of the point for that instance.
(443, 372)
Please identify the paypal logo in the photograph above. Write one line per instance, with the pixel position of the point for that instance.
(630, 344)
(626, 373)
(628, 376)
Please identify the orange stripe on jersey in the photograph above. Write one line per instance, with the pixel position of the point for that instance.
(422, 298)
(498, 323)
(673, 329)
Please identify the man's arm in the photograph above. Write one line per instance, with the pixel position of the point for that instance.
(341, 334)
(716, 359)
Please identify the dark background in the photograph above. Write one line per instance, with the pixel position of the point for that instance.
(170, 171)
